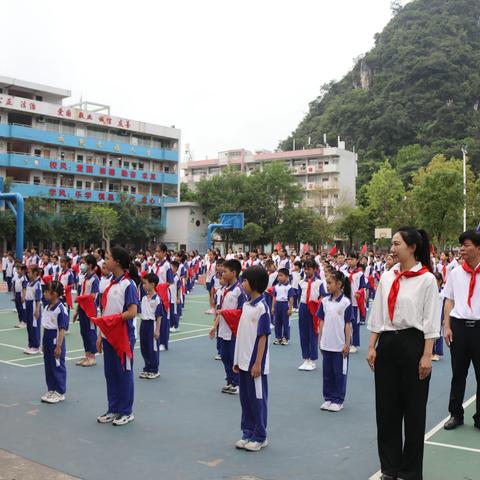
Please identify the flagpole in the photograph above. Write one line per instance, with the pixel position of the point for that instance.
(464, 151)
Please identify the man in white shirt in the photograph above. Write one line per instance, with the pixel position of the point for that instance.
(462, 325)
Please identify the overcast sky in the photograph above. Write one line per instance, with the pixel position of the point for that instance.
(228, 74)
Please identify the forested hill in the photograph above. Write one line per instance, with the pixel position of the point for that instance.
(414, 94)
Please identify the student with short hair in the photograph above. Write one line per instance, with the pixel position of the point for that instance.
(232, 298)
(33, 310)
(251, 360)
(282, 307)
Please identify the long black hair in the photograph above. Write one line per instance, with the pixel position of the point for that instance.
(418, 237)
(345, 281)
(121, 255)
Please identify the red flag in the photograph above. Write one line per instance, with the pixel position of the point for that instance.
(162, 290)
(76, 268)
(333, 250)
(143, 274)
(306, 248)
(232, 317)
(116, 333)
(47, 279)
(432, 249)
(360, 297)
(269, 291)
(364, 248)
(313, 309)
(278, 246)
(87, 304)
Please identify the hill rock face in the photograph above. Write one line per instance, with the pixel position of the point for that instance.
(418, 87)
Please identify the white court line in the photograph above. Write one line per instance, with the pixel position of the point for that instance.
(458, 447)
(8, 310)
(11, 362)
(432, 432)
(11, 346)
(194, 324)
(10, 329)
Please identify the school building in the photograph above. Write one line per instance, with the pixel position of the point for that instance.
(327, 174)
(53, 148)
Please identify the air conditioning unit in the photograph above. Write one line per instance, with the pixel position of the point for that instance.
(311, 169)
(41, 119)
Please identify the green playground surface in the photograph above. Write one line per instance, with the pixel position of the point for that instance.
(13, 340)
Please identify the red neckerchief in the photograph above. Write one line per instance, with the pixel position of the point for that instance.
(113, 281)
(395, 288)
(473, 279)
(62, 274)
(309, 288)
(351, 274)
(227, 290)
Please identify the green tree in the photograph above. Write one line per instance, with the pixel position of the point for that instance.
(252, 233)
(104, 219)
(438, 195)
(352, 223)
(385, 192)
(187, 195)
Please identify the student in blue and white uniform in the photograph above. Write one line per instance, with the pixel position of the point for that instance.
(311, 290)
(335, 313)
(282, 307)
(33, 310)
(20, 283)
(357, 282)
(163, 271)
(210, 265)
(10, 265)
(55, 267)
(232, 298)
(283, 261)
(251, 361)
(296, 276)
(120, 297)
(54, 322)
(175, 295)
(88, 286)
(152, 313)
(272, 280)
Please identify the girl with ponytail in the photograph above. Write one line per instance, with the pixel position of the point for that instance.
(117, 339)
(405, 321)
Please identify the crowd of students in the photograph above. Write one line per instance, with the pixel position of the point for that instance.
(249, 294)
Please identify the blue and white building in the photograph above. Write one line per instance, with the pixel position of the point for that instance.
(54, 149)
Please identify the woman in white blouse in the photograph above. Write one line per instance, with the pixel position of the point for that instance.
(405, 321)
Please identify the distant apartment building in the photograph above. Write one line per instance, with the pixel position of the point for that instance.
(328, 174)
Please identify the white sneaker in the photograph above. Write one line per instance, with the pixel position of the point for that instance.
(210, 311)
(436, 358)
(325, 405)
(313, 365)
(335, 407)
(45, 397)
(353, 349)
(217, 357)
(121, 420)
(162, 348)
(107, 417)
(153, 375)
(143, 375)
(310, 366)
(240, 444)
(233, 390)
(303, 366)
(31, 351)
(173, 330)
(55, 397)
(255, 446)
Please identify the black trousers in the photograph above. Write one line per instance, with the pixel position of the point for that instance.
(465, 349)
(401, 403)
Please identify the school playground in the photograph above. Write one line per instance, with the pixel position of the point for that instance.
(184, 428)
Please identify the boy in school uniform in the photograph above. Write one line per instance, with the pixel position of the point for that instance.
(232, 298)
(251, 361)
(272, 280)
(296, 277)
(10, 265)
(282, 307)
(175, 294)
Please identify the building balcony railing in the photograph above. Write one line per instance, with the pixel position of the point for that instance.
(28, 133)
(31, 162)
(76, 194)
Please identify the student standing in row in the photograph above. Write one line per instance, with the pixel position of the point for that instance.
(405, 321)
(335, 313)
(54, 321)
(282, 307)
(251, 360)
(33, 310)
(120, 298)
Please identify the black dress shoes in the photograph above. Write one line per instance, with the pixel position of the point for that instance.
(453, 423)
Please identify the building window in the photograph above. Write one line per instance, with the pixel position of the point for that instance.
(89, 160)
(68, 127)
(79, 158)
(325, 179)
(141, 166)
(104, 161)
(133, 189)
(99, 185)
(37, 152)
(134, 166)
(36, 180)
(62, 155)
(38, 98)
(88, 185)
(126, 164)
(125, 188)
(79, 184)
(167, 169)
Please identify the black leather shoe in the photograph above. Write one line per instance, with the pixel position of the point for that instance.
(453, 423)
